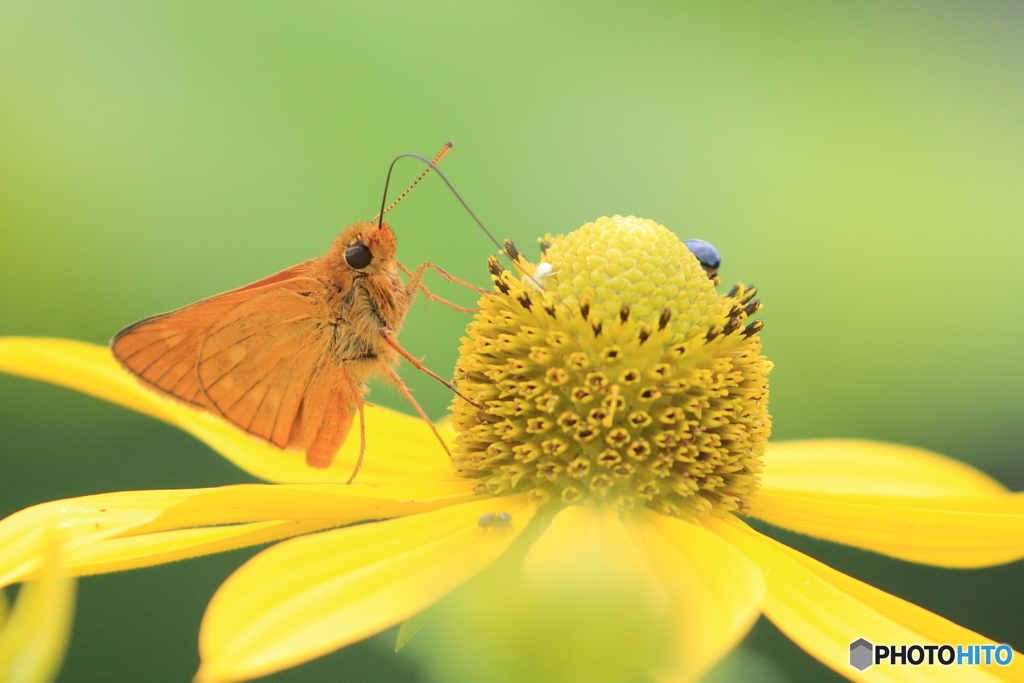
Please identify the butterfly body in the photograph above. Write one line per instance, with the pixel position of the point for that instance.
(285, 358)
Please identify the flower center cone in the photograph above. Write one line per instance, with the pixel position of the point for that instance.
(614, 371)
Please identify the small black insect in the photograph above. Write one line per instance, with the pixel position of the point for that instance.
(706, 254)
(490, 520)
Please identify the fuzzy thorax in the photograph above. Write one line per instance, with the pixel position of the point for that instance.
(627, 380)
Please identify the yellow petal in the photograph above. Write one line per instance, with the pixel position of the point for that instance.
(116, 531)
(34, 638)
(591, 541)
(306, 597)
(581, 611)
(949, 532)
(716, 591)
(80, 520)
(411, 626)
(841, 466)
(398, 446)
(823, 611)
(338, 502)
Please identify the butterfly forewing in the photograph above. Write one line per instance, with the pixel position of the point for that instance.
(261, 356)
(163, 351)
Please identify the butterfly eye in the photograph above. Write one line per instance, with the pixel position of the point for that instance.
(358, 255)
(706, 254)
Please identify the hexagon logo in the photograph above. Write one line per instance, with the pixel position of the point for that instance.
(861, 654)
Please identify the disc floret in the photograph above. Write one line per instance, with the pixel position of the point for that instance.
(619, 375)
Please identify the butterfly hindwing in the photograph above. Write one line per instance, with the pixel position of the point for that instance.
(258, 364)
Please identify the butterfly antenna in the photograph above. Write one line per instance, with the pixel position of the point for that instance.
(431, 165)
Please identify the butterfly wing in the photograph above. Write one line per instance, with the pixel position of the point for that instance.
(260, 356)
(270, 367)
(161, 350)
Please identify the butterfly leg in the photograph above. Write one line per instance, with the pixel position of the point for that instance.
(415, 284)
(408, 397)
(389, 338)
(362, 429)
(433, 297)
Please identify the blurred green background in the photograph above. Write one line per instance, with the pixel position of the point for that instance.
(862, 163)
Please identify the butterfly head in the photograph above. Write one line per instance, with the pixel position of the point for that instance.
(367, 247)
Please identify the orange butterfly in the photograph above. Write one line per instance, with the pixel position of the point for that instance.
(286, 358)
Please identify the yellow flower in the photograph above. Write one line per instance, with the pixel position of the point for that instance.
(625, 401)
(34, 633)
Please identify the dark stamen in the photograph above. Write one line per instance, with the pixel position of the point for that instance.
(511, 250)
(753, 328)
(666, 315)
(494, 266)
